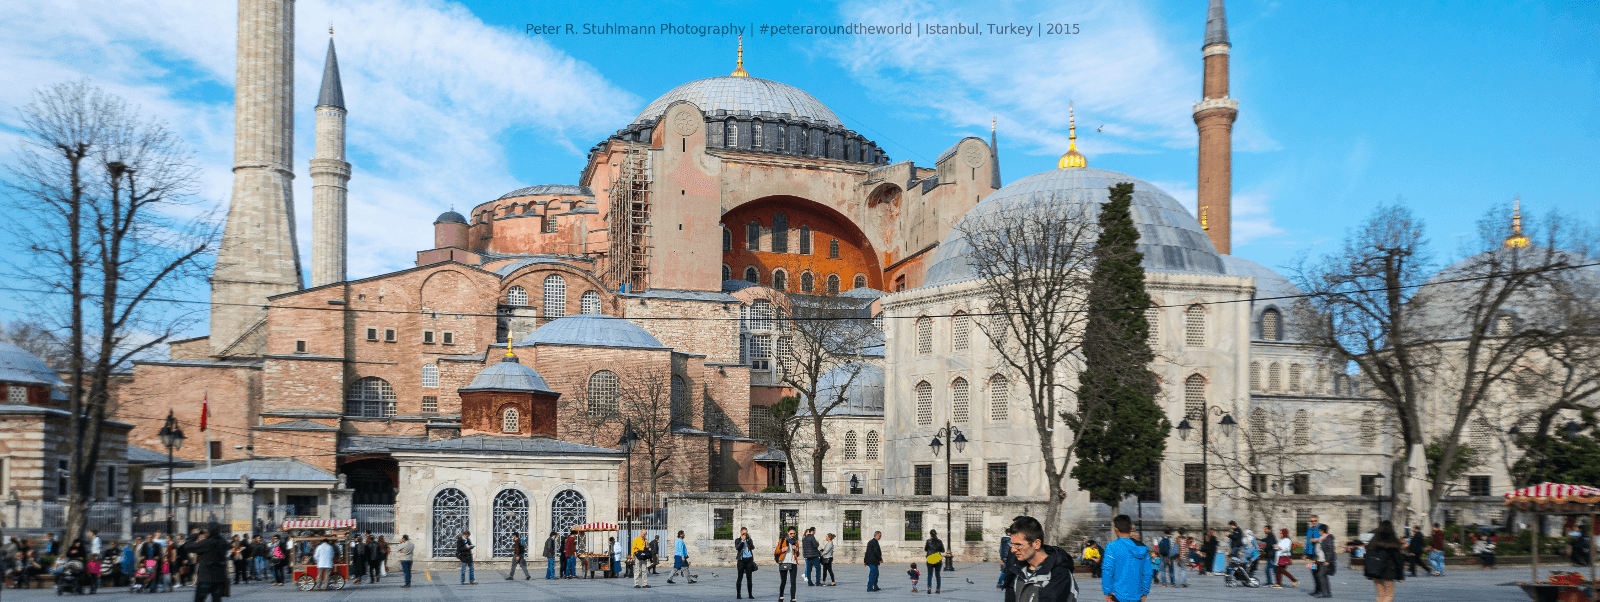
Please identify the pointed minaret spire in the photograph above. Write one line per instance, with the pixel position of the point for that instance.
(332, 94)
(1072, 158)
(330, 177)
(994, 158)
(739, 71)
(1214, 116)
(1216, 25)
(1517, 239)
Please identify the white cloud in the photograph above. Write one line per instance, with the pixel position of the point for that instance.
(1251, 209)
(430, 88)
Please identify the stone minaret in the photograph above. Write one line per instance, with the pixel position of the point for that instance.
(1214, 115)
(329, 174)
(258, 257)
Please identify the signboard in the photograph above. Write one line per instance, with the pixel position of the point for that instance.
(241, 526)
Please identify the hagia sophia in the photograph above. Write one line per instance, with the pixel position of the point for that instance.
(492, 374)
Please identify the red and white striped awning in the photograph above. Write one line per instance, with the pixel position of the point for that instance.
(1556, 498)
(596, 527)
(347, 523)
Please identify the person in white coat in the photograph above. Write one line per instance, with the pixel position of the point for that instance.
(323, 555)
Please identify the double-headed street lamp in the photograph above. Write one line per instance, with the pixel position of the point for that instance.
(1184, 427)
(958, 440)
(172, 437)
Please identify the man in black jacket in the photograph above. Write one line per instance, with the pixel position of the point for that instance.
(813, 556)
(744, 553)
(464, 548)
(1415, 550)
(550, 554)
(1041, 573)
(358, 559)
(519, 556)
(1235, 539)
(1005, 559)
(873, 558)
(211, 566)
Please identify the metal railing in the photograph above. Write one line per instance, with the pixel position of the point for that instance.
(377, 518)
(52, 515)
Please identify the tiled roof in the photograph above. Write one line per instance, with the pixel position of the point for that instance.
(294, 425)
(518, 264)
(17, 366)
(593, 330)
(261, 469)
(555, 189)
(350, 444)
(531, 446)
(140, 455)
(750, 94)
(683, 295)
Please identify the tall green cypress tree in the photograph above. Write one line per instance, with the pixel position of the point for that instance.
(1124, 429)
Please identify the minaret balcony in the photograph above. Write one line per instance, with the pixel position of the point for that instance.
(330, 166)
(1216, 103)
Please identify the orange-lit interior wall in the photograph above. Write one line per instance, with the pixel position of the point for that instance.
(856, 255)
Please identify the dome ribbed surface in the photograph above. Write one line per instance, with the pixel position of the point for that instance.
(508, 375)
(752, 94)
(593, 330)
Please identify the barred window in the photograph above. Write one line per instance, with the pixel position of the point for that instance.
(1194, 397)
(517, 296)
(1275, 378)
(960, 330)
(999, 408)
(1255, 376)
(1369, 429)
(430, 403)
(997, 331)
(17, 394)
(1527, 384)
(924, 403)
(1269, 325)
(430, 375)
(751, 275)
(555, 296)
(589, 303)
(370, 397)
(958, 401)
(833, 284)
(807, 282)
(924, 335)
(780, 233)
(1296, 375)
(733, 133)
(872, 445)
(1152, 316)
(850, 445)
(752, 235)
(761, 352)
(1194, 326)
(755, 134)
(860, 282)
(997, 479)
(786, 354)
(780, 279)
(805, 240)
(833, 249)
(1478, 436)
(603, 386)
(1503, 326)
(1194, 484)
(1258, 429)
(922, 484)
(761, 315)
(511, 421)
(722, 523)
(1302, 428)
(727, 272)
(727, 240)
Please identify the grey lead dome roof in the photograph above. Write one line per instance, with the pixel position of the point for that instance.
(1169, 237)
(450, 217)
(508, 375)
(17, 366)
(593, 330)
(752, 94)
(556, 189)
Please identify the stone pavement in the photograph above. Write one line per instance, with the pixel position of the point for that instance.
(716, 585)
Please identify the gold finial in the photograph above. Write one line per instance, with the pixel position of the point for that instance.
(330, 29)
(511, 335)
(739, 71)
(991, 123)
(1204, 223)
(1072, 158)
(1517, 239)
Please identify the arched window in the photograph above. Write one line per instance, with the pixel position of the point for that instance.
(727, 272)
(430, 375)
(924, 335)
(1255, 376)
(872, 445)
(603, 387)
(568, 509)
(999, 407)
(1194, 397)
(727, 240)
(833, 284)
(1503, 326)
(370, 397)
(1479, 434)
(510, 421)
(850, 445)
(1258, 430)
(805, 240)
(589, 303)
(1275, 378)
(860, 281)
(751, 275)
(1152, 316)
(959, 410)
(452, 514)
(833, 249)
(1297, 373)
(1269, 326)
(517, 296)
(752, 235)
(555, 296)
(807, 282)
(680, 401)
(755, 135)
(1194, 326)
(1527, 384)
(510, 521)
(1302, 428)
(780, 233)
(1369, 429)
(733, 133)
(780, 279)
(549, 223)
(924, 403)
(960, 331)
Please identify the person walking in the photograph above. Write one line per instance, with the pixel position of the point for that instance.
(1285, 551)
(278, 551)
(464, 547)
(1040, 573)
(934, 550)
(323, 556)
(639, 553)
(1415, 550)
(1327, 564)
(1269, 553)
(1235, 539)
(787, 555)
(403, 552)
(240, 559)
(519, 557)
(258, 550)
(569, 556)
(1436, 551)
(550, 556)
(744, 551)
(1385, 562)
(380, 563)
(826, 557)
(1312, 551)
(872, 559)
(1125, 576)
(1170, 550)
(211, 566)
(1208, 553)
(1484, 550)
(680, 560)
(1005, 559)
(809, 548)
(616, 556)
(655, 555)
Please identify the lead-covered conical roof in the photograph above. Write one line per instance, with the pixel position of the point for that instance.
(332, 94)
(1216, 25)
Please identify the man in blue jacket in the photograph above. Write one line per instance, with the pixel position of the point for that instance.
(1125, 571)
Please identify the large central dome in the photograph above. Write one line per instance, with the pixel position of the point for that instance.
(752, 94)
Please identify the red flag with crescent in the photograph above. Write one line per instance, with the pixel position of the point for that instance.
(205, 411)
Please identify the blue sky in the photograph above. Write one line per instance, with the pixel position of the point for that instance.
(1454, 106)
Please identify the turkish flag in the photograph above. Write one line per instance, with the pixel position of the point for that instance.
(205, 411)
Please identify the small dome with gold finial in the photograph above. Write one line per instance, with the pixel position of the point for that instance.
(1517, 239)
(1072, 158)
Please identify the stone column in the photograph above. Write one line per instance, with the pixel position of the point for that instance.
(242, 502)
(339, 501)
(182, 508)
(127, 520)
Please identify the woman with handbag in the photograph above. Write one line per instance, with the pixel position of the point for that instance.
(1285, 549)
(787, 555)
(1385, 561)
(745, 551)
(827, 562)
(934, 548)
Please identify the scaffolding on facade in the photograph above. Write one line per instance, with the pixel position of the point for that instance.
(629, 218)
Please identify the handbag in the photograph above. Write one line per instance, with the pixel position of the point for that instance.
(1285, 561)
(935, 558)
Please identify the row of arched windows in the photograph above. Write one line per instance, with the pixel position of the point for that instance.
(555, 298)
(452, 515)
(1274, 381)
(778, 241)
(873, 443)
(961, 400)
(808, 281)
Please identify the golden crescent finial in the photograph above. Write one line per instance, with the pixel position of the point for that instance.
(739, 70)
(1072, 158)
(1517, 239)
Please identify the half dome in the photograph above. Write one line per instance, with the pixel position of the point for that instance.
(760, 97)
(593, 330)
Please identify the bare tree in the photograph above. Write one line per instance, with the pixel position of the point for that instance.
(38, 339)
(780, 426)
(99, 192)
(820, 358)
(1271, 467)
(652, 405)
(1034, 259)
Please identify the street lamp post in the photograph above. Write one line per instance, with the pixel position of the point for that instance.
(1184, 427)
(1379, 479)
(172, 437)
(626, 443)
(958, 441)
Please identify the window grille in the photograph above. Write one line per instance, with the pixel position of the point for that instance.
(1194, 483)
(924, 335)
(517, 296)
(958, 479)
(1503, 326)
(1352, 523)
(1275, 378)
(833, 249)
(568, 509)
(997, 479)
(370, 397)
(780, 280)
(924, 403)
(427, 337)
(510, 521)
(430, 403)
(589, 303)
(1369, 429)
(922, 481)
(805, 240)
(786, 354)
(17, 394)
(603, 387)
(872, 445)
(1269, 325)
(788, 518)
(760, 315)
(1371, 485)
(727, 241)
(727, 272)
(850, 445)
(852, 525)
(960, 331)
(1527, 384)
(430, 375)
(1302, 485)
(833, 284)
(1478, 485)
(752, 234)
(997, 332)
(1194, 397)
(958, 401)
(452, 514)
(780, 233)
(1302, 428)
(1152, 493)
(1194, 326)
(751, 275)
(1478, 436)
(1152, 316)
(555, 296)
(733, 133)
(722, 523)
(1296, 375)
(1258, 483)
(1255, 376)
(511, 421)
(761, 352)
(999, 408)
(755, 135)
(807, 282)
(1258, 429)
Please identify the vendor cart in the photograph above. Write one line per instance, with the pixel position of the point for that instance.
(1554, 498)
(593, 552)
(307, 535)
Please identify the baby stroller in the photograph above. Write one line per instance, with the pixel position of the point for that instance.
(74, 578)
(145, 578)
(1238, 574)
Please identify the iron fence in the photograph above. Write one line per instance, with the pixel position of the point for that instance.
(377, 518)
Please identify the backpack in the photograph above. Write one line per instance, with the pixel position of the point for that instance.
(1166, 549)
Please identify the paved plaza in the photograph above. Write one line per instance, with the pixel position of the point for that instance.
(716, 584)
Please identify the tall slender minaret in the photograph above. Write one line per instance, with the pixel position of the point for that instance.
(1214, 115)
(329, 174)
(258, 257)
(994, 158)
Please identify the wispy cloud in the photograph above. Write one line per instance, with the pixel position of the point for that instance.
(1251, 209)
